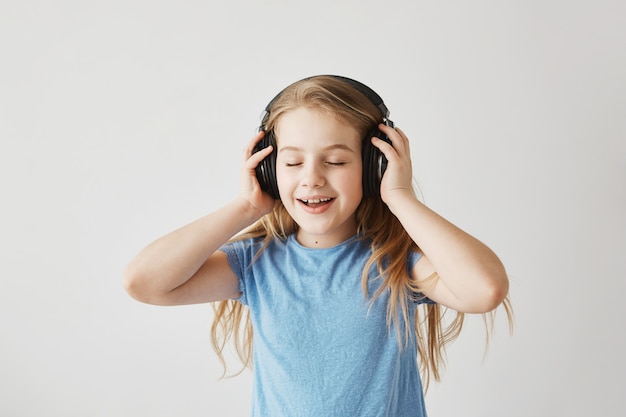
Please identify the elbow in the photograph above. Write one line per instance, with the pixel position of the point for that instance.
(494, 293)
(494, 297)
(130, 282)
(488, 300)
(488, 290)
(135, 285)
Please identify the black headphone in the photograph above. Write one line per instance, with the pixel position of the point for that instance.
(374, 162)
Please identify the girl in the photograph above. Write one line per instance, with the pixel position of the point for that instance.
(329, 259)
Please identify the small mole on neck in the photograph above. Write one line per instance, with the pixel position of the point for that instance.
(316, 242)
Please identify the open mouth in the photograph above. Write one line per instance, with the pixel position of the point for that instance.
(315, 202)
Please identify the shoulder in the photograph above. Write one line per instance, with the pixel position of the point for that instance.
(248, 250)
(241, 243)
(244, 245)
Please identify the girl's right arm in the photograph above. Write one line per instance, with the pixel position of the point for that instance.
(185, 266)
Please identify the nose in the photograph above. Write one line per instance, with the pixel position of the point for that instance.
(313, 176)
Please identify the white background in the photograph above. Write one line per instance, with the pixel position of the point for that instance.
(122, 120)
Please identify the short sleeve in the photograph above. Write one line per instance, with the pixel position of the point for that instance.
(236, 265)
(418, 297)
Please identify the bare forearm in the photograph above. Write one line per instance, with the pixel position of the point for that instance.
(471, 271)
(472, 278)
(173, 259)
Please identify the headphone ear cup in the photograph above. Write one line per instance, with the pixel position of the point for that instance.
(266, 169)
(374, 163)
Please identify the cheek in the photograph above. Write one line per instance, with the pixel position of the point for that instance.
(353, 182)
(284, 181)
(357, 173)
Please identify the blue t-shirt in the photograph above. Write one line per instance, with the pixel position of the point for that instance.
(320, 347)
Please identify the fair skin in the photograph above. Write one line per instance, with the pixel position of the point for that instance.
(319, 177)
(318, 163)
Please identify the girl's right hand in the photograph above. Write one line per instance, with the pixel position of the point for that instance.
(250, 189)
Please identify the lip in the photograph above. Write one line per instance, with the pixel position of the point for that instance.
(316, 208)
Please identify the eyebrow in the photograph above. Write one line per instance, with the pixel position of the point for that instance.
(339, 146)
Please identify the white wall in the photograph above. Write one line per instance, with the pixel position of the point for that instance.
(121, 120)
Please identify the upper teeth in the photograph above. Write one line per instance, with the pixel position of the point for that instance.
(316, 200)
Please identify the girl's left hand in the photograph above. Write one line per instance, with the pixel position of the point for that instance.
(397, 181)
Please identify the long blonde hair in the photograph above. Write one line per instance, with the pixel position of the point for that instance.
(390, 243)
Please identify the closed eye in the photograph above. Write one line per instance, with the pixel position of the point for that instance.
(336, 163)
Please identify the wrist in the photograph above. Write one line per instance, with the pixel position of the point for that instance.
(397, 200)
(246, 211)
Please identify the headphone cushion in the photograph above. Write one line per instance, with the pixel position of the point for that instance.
(266, 169)
(374, 163)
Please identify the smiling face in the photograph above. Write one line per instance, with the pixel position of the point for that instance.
(318, 170)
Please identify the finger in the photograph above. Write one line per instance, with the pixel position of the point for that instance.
(385, 147)
(398, 138)
(254, 159)
(405, 139)
(395, 134)
(401, 133)
(249, 149)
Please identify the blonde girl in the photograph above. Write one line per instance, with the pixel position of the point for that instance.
(329, 273)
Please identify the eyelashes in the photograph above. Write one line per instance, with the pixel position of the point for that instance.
(331, 163)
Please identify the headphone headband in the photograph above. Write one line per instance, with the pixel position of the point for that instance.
(359, 86)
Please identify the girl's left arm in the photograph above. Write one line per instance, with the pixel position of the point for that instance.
(471, 277)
